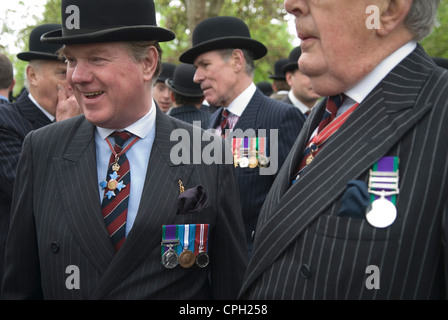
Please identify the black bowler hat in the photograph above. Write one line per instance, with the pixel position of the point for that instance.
(294, 56)
(222, 33)
(182, 81)
(167, 71)
(278, 68)
(38, 49)
(88, 21)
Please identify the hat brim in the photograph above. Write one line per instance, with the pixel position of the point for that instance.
(277, 77)
(183, 91)
(35, 55)
(258, 49)
(290, 67)
(130, 33)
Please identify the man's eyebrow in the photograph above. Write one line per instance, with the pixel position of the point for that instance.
(91, 51)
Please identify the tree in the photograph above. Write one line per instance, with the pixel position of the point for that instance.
(265, 18)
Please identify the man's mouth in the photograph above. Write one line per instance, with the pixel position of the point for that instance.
(90, 95)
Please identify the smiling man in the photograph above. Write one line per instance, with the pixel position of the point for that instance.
(359, 209)
(99, 210)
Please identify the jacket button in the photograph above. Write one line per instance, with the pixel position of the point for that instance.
(54, 247)
(252, 235)
(305, 271)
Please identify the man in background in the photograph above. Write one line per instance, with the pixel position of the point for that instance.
(301, 93)
(160, 91)
(187, 97)
(6, 78)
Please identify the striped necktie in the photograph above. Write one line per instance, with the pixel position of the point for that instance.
(224, 124)
(116, 191)
(331, 108)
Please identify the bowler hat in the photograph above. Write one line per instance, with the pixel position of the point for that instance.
(222, 33)
(38, 49)
(278, 68)
(182, 81)
(294, 56)
(167, 71)
(87, 21)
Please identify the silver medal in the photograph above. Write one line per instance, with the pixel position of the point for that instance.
(381, 213)
(170, 259)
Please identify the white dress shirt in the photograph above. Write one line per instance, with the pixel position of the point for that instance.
(361, 90)
(138, 156)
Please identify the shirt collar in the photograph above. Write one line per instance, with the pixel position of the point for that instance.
(360, 91)
(238, 105)
(140, 128)
(296, 102)
(45, 112)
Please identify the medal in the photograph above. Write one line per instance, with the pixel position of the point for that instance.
(253, 161)
(236, 143)
(263, 160)
(170, 258)
(202, 259)
(383, 187)
(381, 213)
(187, 257)
(244, 162)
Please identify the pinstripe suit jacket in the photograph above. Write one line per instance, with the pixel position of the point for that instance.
(190, 114)
(56, 222)
(263, 112)
(304, 250)
(16, 121)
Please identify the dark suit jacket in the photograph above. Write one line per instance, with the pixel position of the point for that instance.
(190, 114)
(16, 121)
(263, 112)
(56, 222)
(304, 250)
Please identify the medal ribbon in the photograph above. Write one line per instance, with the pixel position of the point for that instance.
(237, 147)
(246, 147)
(262, 146)
(385, 177)
(201, 239)
(169, 232)
(117, 155)
(321, 137)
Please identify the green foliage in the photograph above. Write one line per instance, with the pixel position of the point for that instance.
(436, 44)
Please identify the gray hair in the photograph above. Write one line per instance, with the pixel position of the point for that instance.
(248, 56)
(422, 18)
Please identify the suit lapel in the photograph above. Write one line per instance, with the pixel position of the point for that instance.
(158, 206)
(79, 164)
(31, 112)
(367, 135)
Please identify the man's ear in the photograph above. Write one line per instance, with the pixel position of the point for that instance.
(393, 13)
(150, 63)
(31, 74)
(238, 60)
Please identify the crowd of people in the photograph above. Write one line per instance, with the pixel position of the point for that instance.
(352, 127)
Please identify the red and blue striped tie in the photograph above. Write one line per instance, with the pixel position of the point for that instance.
(116, 192)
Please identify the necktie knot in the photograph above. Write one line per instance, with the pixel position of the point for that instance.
(120, 139)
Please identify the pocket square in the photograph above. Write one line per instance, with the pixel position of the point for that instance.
(355, 200)
(192, 200)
